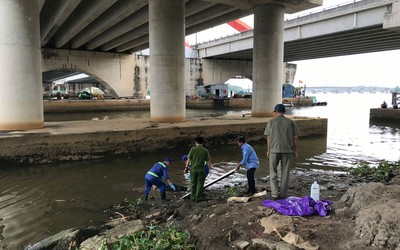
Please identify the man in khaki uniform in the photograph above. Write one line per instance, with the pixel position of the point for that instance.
(282, 140)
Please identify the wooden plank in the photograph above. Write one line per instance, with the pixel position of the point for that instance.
(212, 182)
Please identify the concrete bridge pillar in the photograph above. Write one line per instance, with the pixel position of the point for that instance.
(167, 60)
(21, 99)
(267, 59)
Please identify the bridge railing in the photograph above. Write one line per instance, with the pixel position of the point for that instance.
(294, 16)
(289, 18)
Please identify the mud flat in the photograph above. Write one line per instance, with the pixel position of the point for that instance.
(94, 139)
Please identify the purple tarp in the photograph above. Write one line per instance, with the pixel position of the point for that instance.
(295, 206)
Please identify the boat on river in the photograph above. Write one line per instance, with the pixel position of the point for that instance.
(287, 104)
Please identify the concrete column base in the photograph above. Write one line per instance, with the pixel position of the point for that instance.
(21, 100)
(167, 60)
(267, 59)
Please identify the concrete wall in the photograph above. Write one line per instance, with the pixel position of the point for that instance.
(129, 75)
(300, 101)
(219, 71)
(290, 72)
(113, 70)
(392, 21)
(61, 106)
(193, 75)
(124, 74)
(66, 141)
(142, 75)
(234, 103)
(386, 114)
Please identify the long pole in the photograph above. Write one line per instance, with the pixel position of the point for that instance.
(212, 182)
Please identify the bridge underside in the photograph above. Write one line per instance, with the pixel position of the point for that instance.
(365, 40)
(54, 75)
(123, 26)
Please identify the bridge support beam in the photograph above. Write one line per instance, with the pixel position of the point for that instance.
(167, 60)
(267, 59)
(21, 99)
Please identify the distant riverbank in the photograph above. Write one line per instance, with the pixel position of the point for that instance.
(69, 105)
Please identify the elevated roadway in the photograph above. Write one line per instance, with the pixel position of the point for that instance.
(123, 25)
(357, 27)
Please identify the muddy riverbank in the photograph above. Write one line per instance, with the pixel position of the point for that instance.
(216, 223)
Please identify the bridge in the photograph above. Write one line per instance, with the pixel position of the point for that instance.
(97, 37)
(357, 27)
(123, 25)
(73, 25)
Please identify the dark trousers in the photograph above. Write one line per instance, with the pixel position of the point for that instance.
(197, 179)
(251, 181)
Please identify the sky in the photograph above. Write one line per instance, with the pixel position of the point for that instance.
(378, 69)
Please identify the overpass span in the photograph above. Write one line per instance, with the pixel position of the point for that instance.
(123, 25)
(358, 27)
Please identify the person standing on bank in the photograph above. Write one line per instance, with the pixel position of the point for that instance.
(251, 161)
(154, 177)
(282, 143)
(197, 157)
(185, 159)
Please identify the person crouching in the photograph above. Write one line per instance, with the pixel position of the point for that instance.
(154, 177)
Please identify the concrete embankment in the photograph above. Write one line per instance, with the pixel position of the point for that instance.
(59, 106)
(386, 114)
(77, 140)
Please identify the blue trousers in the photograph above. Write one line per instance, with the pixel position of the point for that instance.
(152, 180)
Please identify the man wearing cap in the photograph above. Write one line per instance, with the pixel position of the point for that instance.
(154, 177)
(282, 142)
(197, 156)
(185, 159)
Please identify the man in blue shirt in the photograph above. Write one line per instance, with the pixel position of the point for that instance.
(154, 177)
(251, 161)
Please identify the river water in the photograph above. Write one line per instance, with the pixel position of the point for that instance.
(41, 200)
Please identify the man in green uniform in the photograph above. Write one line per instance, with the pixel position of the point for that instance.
(282, 140)
(197, 156)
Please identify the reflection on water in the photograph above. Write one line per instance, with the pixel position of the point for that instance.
(352, 137)
(38, 201)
